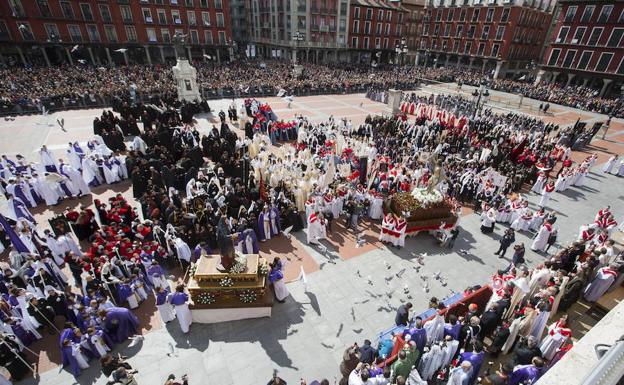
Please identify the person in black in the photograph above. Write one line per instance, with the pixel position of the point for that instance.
(43, 313)
(489, 320)
(506, 241)
(525, 351)
(501, 377)
(402, 314)
(110, 364)
(367, 353)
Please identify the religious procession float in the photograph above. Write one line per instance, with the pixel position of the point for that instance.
(241, 292)
(423, 210)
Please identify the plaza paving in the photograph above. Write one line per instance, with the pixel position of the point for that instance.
(306, 336)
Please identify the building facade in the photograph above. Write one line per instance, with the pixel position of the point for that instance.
(376, 29)
(112, 32)
(414, 24)
(311, 31)
(503, 37)
(586, 46)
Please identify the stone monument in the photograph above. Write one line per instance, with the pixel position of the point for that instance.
(394, 100)
(184, 73)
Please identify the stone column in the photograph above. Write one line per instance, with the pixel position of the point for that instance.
(147, 55)
(585, 81)
(417, 59)
(499, 65)
(125, 55)
(188, 52)
(69, 57)
(109, 57)
(483, 66)
(605, 85)
(93, 56)
(21, 55)
(570, 78)
(162, 53)
(554, 76)
(218, 56)
(316, 56)
(307, 55)
(471, 62)
(45, 55)
(447, 61)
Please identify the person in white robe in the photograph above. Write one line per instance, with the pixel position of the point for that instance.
(449, 349)
(111, 172)
(91, 172)
(47, 159)
(276, 277)
(541, 239)
(537, 220)
(165, 309)
(539, 183)
(67, 242)
(387, 228)
(558, 333)
(139, 145)
(435, 329)
(97, 341)
(183, 251)
(78, 184)
(610, 164)
(375, 210)
(521, 288)
(74, 158)
(460, 375)
(400, 229)
(431, 362)
(48, 190)
(601, 283)
(179, 300)
(316, 228)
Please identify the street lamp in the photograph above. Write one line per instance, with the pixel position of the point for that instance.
(401, 51)
(480, 93)
(297, 37)
(531, 68)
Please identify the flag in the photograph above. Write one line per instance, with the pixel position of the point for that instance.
(262, 189)
(19, 246)
(302, 278)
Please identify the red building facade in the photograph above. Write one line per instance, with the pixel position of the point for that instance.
(505, 36)
(376, 28)
(586, 46)
(48, 31)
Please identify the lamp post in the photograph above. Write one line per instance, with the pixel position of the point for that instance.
(401, 51)
(531, 67)
(480, 93)
(427, 53)
(297, 37)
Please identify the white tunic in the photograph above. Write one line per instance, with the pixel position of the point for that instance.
(541, 239)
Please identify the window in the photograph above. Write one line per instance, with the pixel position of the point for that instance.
(151, 35)
(206, 19)
(17, 10)
(194, 36)
(74, 33)
(500, 32)
(604, 61)
(456, 46)
(66, 7)
(86, 12)
(389, 16)
(166, 35)
(175, 15)
(595, 36)
(44, 8)
(485, 32)
(222, 37)
(468, 47)
(367, 26)
(398, 30)
(616, 37)
(462, 15)
(385, 43)
(563, 34)
(4, 31)
(578, 35)
(126, 13)
(495, 49)
(447, 30)
(189, 3)
(460, 31)
(388, 29)
(366, 42)
(356, 26)
(131, 34)
(26, 32)
(505, 15)
(438, 15)
(481, 49)
(554, 57)
(471, 31)
(356, 12)
(475, 15)
(426, 30)
(162, 16)
(378, 29)
(105, 13)
(92, 32)
(605, 12)
(585, 58)
(190, 15)
(354, 42)
(569, 58)
(208, 37)
(218, 4)
(220, 22)
(489, 16)
(400, 20)
(111, 33)
(436, 30)
(587, 13)
(147, 15)
(52, 31)
(571, 13)
(449, 15)
(380, 15)
(174, 2)
(377, 42)
(621, 20)
(369, 13)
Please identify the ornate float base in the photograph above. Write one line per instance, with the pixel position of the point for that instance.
(228, 296)
(430, 218)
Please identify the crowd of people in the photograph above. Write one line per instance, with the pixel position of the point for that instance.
(31, 86)
(221, 191)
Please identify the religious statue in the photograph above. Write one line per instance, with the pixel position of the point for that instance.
(225, 240)
(179, 40)
(438, 175)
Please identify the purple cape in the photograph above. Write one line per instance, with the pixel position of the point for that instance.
(121, 323)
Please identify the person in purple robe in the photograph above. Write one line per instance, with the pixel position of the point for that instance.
(418, 334)
(119, 323)
(20, 209)
(475, 358)
(527, 374)
(453, 327)
(25, 336)
(197, 252)
(265, 230)
(249, 241)
(67, 334)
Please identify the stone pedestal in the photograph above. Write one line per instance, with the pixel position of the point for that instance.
(394, 100)
(297, 70)
(185, 76)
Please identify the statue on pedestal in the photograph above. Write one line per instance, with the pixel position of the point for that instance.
(225, 240)
(184, 73)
